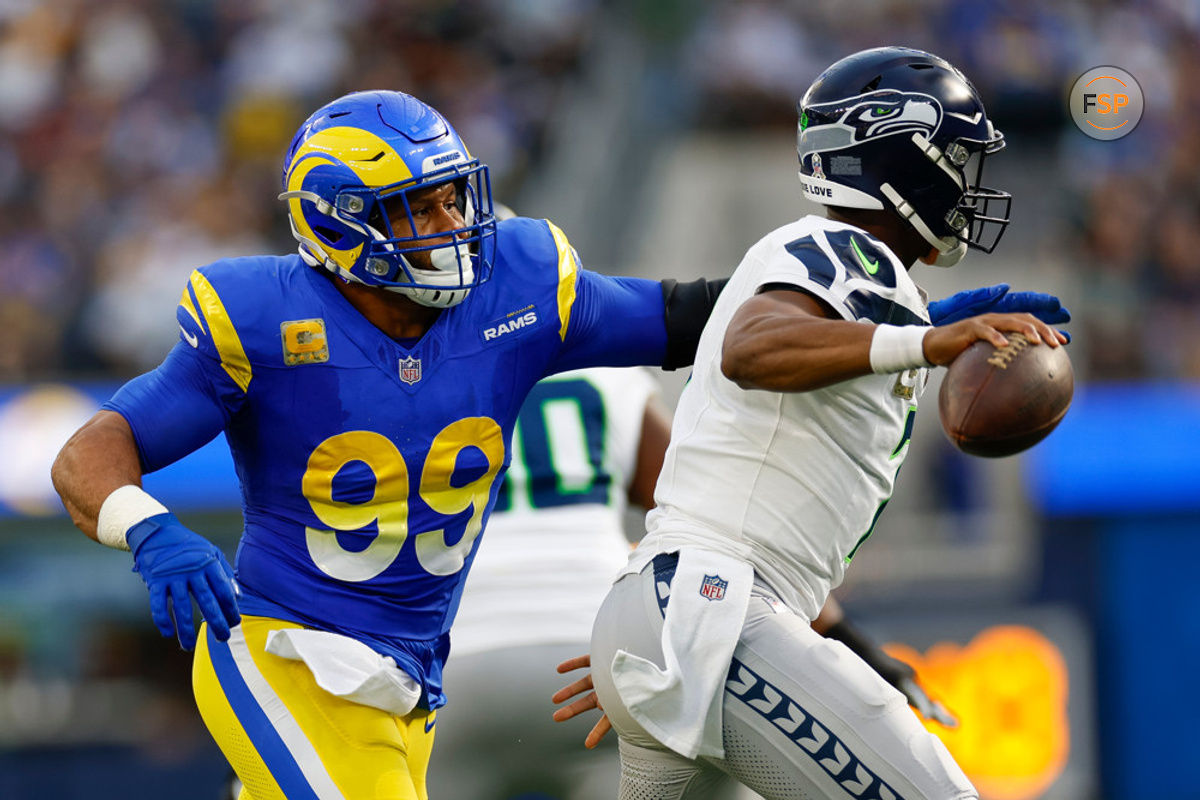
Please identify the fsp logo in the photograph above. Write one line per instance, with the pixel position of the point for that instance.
(1106, 103)
(508, 326)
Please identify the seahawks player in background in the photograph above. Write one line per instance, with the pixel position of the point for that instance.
(784, 450)
(368, 388)
(587, 443)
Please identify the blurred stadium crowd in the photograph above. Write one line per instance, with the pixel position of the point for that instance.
(140, 138)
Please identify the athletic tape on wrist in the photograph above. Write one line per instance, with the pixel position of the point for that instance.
(121, 510)
(896, 348)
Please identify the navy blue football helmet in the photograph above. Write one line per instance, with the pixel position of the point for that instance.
(902, 129)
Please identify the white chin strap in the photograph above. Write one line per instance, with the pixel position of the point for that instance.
(452, 268)
(950, 249)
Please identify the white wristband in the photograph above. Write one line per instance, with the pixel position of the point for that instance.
(896, 348)
(121, 510)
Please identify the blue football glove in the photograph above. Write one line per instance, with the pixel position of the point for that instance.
(996, 299)
(178, 564)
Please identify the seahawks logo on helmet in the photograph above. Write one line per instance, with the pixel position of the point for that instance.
(842, 123)
(885, 115)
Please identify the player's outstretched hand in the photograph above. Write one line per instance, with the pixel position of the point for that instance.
(585, 703)
(925, 705)
(997, 299)
(901, 675)
(896, 672)
(178, 564)
(943, 343)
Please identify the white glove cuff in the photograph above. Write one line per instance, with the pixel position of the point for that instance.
(896, 348)
(120, 511)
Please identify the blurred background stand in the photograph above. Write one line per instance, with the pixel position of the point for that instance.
(142, 138)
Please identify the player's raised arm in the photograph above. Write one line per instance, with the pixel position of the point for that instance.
(624, 321)
(785, 340)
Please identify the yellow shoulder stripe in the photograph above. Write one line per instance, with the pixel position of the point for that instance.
(567, 271)
(225, 337)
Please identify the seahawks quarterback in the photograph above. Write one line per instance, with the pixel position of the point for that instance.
(784, 451)
(368, 387)
(588, 443)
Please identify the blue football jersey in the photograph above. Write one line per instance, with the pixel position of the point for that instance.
(369, 467)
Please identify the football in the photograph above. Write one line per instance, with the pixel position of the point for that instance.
(996, 401)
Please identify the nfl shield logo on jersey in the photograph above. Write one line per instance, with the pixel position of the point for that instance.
(410, 370)
(713, 588)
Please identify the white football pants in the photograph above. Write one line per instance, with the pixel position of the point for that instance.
(803, 716)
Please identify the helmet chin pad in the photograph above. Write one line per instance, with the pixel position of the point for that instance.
(453, 267)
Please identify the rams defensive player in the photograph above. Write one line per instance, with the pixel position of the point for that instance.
(368, 387)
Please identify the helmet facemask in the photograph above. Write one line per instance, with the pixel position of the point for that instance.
(978, 217)
(437, 269)
(985, 210)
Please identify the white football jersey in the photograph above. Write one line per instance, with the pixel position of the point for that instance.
(791, 482)
(557, 538)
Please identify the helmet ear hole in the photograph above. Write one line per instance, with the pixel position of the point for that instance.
(375, 220)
